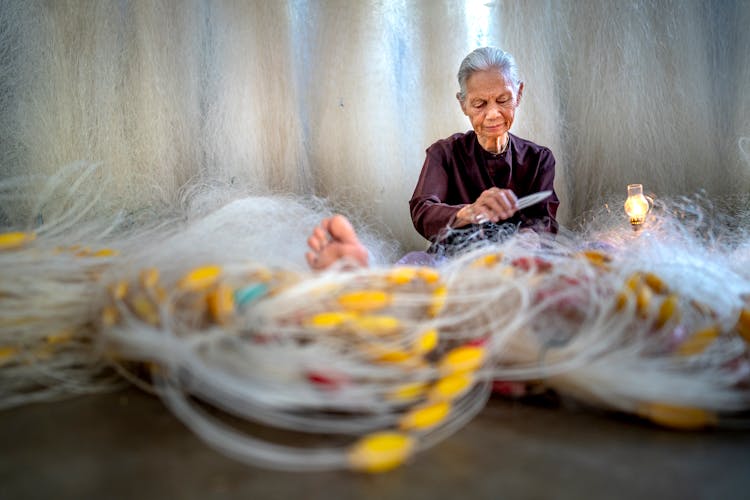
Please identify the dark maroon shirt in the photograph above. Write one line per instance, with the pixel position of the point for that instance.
(458, 169)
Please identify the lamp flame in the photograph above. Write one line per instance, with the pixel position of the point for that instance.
(637, 206)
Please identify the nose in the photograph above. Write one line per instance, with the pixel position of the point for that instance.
(493, 111)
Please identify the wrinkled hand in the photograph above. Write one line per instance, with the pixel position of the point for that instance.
(493, 205)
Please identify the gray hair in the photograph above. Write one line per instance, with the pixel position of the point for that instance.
(483, 59)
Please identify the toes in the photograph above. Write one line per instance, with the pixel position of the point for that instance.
(321, 234)
(312, 259)
(318, 239)
(325, 224)
(341, 229)
(313, 243)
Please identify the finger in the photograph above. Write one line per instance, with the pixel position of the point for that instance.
(507, 203)
(512, 197)
(475, 214)
(492, 208)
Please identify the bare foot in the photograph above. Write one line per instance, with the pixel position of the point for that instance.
(332, 241)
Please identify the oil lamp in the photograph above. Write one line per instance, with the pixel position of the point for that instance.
(636, 206)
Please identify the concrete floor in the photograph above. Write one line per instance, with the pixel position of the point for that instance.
(127, 445)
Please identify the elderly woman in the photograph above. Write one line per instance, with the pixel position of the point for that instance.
(467, 179)
(478, 176)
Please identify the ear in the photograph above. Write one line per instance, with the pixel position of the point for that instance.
(460, 102)
(520, 93)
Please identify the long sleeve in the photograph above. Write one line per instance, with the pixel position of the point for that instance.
(429, 212)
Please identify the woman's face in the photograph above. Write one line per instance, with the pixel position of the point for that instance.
(491, 104)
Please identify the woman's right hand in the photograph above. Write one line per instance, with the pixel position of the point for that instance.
(493, 205)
